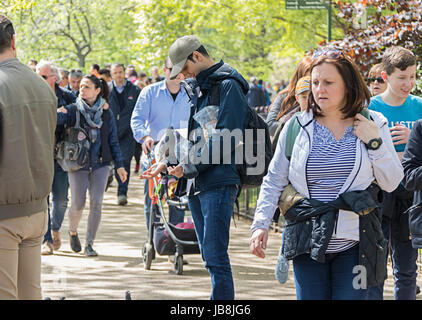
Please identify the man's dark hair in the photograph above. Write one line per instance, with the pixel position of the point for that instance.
(95, 66)
(33, 61)
(75, 73)
(6, 33)
(105, 71)
(260, 81)
(115, 65)
(201, 50)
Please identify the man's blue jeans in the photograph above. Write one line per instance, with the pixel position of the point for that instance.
(331, 280)
(404, 258)
(211, 212)
(60, 199)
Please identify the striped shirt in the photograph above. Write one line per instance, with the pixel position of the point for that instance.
(329, 164)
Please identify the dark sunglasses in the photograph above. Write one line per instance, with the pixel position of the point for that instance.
(329, 53)
(379, 79)
(46, 77)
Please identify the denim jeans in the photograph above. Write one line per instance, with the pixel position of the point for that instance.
(331, 280)
(123, 187)
(60, 199)
(211, 212)
(404, 258)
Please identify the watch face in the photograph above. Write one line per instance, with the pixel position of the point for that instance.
(374, 144)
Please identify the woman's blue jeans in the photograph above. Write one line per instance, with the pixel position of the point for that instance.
(331, 280)
(211, 212)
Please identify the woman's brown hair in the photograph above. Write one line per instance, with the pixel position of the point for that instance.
(303, 68)
(357, 94)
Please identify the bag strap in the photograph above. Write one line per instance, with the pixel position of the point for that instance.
(294, 128)
(292, 132)
(215, 93)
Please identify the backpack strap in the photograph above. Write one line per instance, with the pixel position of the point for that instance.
(215, 93)
(294, 128)
(292, 132)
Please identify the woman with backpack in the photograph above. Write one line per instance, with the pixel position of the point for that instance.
(91, 108)
(333, 234)
(285, 104)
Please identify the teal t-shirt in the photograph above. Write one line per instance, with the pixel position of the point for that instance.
(406, 114)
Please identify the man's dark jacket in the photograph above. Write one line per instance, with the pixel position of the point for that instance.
(256, 96)
(412, 164)
(233, 114)
(122, 115)
(304, 236)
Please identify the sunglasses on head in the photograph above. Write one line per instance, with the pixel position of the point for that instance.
(329, 53)
(379, 79)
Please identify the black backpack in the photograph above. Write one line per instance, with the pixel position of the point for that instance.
(255, 123)
(72, 152)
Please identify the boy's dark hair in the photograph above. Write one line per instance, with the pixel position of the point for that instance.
(397, 57)
(6, 33)
(95, 66)
(201, 50)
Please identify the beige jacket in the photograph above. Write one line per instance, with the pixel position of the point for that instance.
(27, 123)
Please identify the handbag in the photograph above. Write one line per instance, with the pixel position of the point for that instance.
(288, 198)
(72, 153)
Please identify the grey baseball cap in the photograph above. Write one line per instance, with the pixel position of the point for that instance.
(179, 52)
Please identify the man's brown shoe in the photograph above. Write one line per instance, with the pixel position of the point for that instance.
(57, 242)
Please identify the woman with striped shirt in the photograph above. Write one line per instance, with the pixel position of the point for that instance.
(337, 150)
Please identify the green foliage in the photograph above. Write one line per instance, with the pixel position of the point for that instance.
(74, 33)
(253, 36)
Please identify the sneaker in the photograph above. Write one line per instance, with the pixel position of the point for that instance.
(57, 242)
(137, 168)
(47, 248)
(122, 200)
(75, 244)
(89, 251)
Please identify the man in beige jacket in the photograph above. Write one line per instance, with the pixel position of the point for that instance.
(27, 124)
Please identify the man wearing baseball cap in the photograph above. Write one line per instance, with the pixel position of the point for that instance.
(215, 187)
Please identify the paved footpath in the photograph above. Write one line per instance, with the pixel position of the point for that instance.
(119, 266)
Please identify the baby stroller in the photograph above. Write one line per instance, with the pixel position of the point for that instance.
(165, 238)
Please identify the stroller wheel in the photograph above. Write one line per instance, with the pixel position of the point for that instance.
(178, 264)
(147, 255)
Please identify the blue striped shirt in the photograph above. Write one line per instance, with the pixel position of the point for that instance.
(329, 164)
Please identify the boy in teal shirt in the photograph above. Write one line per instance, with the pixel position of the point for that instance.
(401, 110)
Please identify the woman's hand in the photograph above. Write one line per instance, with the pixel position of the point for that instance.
(106, 106)
(62, 109)
(365, 129)
(258, 242)
(400, 134)
(153, 171)
(122, 174)
(176, 171)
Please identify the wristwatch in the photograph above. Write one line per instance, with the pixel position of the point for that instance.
(374, 144)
